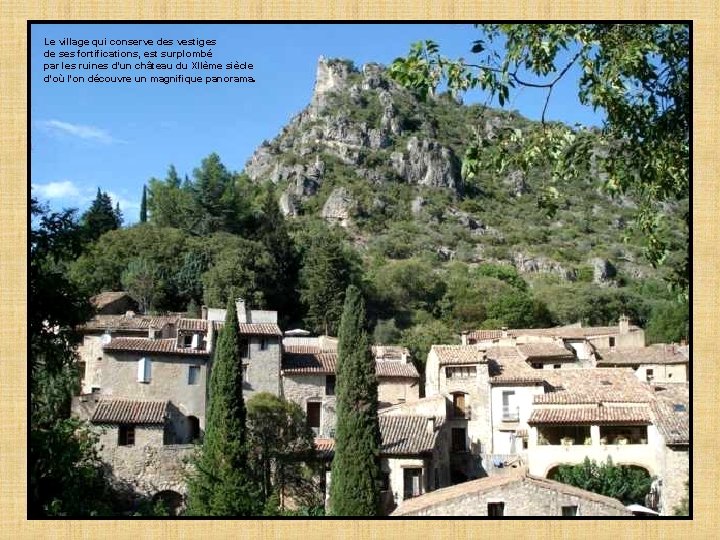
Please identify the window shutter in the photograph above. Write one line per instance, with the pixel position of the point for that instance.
(194, 344)
(144, 366)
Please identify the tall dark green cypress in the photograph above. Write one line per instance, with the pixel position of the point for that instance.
(143, 206)
(223, 484)
(354, 485)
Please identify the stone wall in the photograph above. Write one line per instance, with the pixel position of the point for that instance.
(148, 466)
(394, 390)
(311, 387)
(263, 372)
(520, 498)
(168, 381)
(675, 474)
(663, 373)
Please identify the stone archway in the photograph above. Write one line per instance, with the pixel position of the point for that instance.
(173, 501)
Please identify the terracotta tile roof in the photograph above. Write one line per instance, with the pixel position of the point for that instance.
(407, 435)
(122, 411)
(301, 349)
(301, 364)
(197, 325)
(544, 351)
(137, 323)
(671, 412)
(392, 368)
(565, 332)
(260, 329)
(660, 353)
(325, 448)
(458, 354)
(425, 502)
(594, 385)
(156, 346)
(505, 366)
(591, 415)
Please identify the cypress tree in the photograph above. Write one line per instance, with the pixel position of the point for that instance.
(143, 206)
(100, 217)
(223, 484)
(354, 486)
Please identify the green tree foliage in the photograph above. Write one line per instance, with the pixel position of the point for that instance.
(669, 323)
(280, 440)
(272, 232)
(386, 332)
(223, 483)
(325, 275)
(356, 465)
(242, 266)
(217, 201)
(170, 202)
(419, 338)
(100, 217)
(140, 279)
(627, 484)
(65, 475)
(143, 205)
(683, 509)
(517, 309)
(638, 75)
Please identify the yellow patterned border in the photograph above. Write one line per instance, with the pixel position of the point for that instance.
(13, 249)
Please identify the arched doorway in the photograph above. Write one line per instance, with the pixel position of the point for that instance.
(171, 501)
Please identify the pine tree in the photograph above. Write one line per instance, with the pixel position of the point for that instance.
(100, 217)
(223, 484)
(143, 206)
(354, 486)
(325, 275)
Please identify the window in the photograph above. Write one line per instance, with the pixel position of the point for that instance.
(244, 349)
(611, 341)
(459, 406)
(458, 440)
(313, 415)
(536, 365)
(187, 340)
(330, 385)
(557, 366)
(649, 375)
(510, 412)
(126, 435)
(264, 344)
(193, 374)
(412, 482)
(569, 510)
(496, 509)
(460, 372)
(144, 369)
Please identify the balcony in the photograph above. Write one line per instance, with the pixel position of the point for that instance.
(510, 414)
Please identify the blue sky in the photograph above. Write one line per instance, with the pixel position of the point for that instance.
(117, 136)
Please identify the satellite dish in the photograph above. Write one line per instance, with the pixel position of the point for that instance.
(105, 339)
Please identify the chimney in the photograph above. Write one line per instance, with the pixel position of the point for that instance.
(210, 336)
(204, 313)
(624, 324)
(431, 425)
(152, 332)
(463, 338)
(129, 314)
(241, 310)
(504, 331)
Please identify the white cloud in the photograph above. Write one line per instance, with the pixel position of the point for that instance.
(57, 190)
(90, 133)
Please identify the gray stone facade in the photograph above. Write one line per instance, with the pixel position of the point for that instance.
(310, 388)
(263, 366)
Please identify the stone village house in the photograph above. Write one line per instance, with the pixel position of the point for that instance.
(510, 400)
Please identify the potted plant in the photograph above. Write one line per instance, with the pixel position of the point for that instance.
(588, 441)
(603, 440)
(567, 441)
(621, 439)
(542, 440)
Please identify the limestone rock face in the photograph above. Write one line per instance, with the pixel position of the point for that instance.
(338, 207)
(603, 271)
(532, 265)
(330, 76)
(427, 163)
(287, 204)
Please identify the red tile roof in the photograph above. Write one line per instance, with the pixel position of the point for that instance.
(550, 352)
(260, 329)
(324, 447)
(660, 353)
(565, 332)
(671, 412)
(392, 368)
(591, 415)
(197, 325)
(121, 411)
(300, 364)
(594, 385)
(505, 366)
(156, 346)
(407, 435)
(458, 354)
(137, 323)
(301, 349)
(104, 298)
